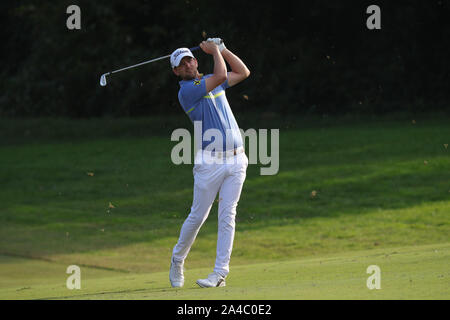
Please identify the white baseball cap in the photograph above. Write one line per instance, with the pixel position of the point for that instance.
(177, 55)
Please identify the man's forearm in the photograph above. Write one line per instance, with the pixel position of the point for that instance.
(235, 63)
(220, 68)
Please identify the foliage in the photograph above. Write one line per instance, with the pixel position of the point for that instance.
(305, 57)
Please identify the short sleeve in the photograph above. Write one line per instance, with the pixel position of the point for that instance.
(225, 84)
(191, 92)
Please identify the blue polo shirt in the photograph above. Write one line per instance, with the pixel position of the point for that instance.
(212, 109)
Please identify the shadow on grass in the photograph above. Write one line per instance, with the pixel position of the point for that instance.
(50, 209)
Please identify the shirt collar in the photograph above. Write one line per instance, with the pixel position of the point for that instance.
(185, 81)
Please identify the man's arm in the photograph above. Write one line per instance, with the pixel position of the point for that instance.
(220, 69)
(239, 70)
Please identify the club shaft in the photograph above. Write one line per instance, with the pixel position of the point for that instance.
(140, 64)
(145, 62)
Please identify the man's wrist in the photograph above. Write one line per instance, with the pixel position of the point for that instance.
(216, 51)
(225, 51)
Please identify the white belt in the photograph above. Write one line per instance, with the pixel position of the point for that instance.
(226, 154)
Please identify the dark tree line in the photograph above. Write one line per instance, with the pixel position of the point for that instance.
(305, 56)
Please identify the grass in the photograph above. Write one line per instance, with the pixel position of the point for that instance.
(379, 183)
(417, 272)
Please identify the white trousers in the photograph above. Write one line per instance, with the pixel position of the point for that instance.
(211, 177)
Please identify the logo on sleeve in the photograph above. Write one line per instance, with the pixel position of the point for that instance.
(196, 82)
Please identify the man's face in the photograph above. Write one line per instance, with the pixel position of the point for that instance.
(187, 69)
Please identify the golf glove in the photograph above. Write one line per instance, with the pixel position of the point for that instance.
(219, 43)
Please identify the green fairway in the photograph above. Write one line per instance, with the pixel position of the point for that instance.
(104, 195)
(406, 273)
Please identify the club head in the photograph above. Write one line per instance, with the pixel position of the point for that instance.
(103, 80)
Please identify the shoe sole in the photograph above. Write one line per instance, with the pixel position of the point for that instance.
(221, 284)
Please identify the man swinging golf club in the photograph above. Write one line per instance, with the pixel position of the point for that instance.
(220, 170)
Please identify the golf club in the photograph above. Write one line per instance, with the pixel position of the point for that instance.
(103, 77)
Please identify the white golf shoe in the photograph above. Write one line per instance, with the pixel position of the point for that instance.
(214, 280)
(176, 274)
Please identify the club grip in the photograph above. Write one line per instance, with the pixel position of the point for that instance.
(194, 48)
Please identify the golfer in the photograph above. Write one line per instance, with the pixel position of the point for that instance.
(220, 170)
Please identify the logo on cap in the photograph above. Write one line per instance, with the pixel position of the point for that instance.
(179, 52)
